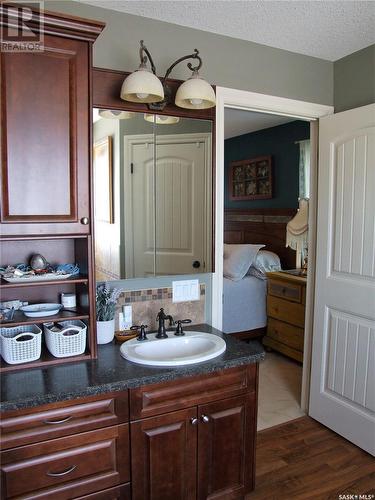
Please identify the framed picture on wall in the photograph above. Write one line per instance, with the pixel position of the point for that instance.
(251, 179)
(103, 180)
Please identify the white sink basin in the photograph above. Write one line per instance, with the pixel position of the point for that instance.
(193, 347)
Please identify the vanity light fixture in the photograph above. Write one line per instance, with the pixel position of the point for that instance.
(161, 119)
(144, 86)
(115, 114)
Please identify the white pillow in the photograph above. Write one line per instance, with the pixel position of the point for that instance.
(253, 271)
(238, 259)
(267, 261)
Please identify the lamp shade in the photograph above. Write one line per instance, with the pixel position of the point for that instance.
(142, 86)
(161, 119)
(195, 93)
(115, 114)
(297, 231)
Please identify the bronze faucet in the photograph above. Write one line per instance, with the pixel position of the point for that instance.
(161, 317)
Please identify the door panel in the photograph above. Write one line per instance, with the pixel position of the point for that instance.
(180, 195)
(164, 457)
(343, 361)
(44, 138)
(226, 449)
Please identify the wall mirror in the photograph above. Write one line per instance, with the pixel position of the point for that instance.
(153, 194)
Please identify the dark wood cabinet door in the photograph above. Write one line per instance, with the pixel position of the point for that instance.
(226, 448)
(45, 117)
(164, 457)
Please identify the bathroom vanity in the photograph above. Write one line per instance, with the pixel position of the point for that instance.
(108, 428)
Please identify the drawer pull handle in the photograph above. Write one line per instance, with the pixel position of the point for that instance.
(54, 422)
(193, 421)
(205, 419)
(64, 473)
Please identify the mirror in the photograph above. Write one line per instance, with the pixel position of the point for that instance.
(153, 195)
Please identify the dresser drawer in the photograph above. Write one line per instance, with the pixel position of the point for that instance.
(286, 290)
(161, 398)
(285, 333)
(284, 310)
(68, 467)
(62, 419)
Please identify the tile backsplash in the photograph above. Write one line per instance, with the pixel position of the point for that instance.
(147, 303)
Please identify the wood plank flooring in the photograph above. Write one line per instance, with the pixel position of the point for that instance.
(302, 459)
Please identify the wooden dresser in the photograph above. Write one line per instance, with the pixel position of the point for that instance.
(286, 300)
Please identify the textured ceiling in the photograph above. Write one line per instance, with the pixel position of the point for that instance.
(239, 122)
(326, 29)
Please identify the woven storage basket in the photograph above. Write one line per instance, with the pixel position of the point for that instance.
(70, 341)
(21, 344)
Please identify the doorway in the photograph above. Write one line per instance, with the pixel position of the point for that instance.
(234, 99)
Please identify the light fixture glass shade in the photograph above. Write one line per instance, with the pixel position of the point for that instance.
(142, 86)
(161, 119)
(116, 114)
(195, 93)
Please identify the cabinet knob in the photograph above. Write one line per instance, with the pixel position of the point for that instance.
(85, 221)
(193, 421)
(196, 264)
(205, 419)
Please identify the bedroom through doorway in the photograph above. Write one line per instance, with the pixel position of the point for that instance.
(266, 197)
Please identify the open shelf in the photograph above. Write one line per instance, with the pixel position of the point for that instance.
(71, 280)
(21, 319)
(46, 359)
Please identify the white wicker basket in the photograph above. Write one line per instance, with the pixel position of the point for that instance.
(70, 341)
(20, 344)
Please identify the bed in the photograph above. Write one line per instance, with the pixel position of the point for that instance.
(244, 302)
(244, 305)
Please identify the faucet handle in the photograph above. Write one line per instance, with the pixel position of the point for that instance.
(179, 332)
(142, 331)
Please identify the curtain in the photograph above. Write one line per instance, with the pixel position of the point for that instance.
(304, 169)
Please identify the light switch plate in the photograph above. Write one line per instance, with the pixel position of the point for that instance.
(184, 291)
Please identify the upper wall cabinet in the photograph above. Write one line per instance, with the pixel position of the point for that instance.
(45, 154)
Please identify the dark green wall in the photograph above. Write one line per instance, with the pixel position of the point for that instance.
(280, 143)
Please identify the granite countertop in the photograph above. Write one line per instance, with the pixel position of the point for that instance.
(110, 372)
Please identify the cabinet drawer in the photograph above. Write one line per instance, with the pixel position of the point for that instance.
(68, 467)
(285, 290)
(160, 398)
(286, 311)
(285, 333)
(121, 492)
(62, 419)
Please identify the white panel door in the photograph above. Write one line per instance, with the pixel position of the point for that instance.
(166, 207)
(342, 394)
(180, 207)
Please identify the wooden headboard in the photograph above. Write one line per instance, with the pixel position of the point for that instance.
(261, 225)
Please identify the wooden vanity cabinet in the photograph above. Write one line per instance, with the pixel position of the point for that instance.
(196, 443)
(204, 451)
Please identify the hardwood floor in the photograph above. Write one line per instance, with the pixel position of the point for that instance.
(302, 459)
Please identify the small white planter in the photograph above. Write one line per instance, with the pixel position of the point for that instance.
(105, 331)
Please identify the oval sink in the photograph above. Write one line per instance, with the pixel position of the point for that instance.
(193, 347)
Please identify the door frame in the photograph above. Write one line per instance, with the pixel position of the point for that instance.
(252, 101)
(186, 138)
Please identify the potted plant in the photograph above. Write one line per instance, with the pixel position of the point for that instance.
(106, 299)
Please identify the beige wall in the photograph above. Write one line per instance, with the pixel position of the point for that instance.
(354, 80)
(227, 62)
